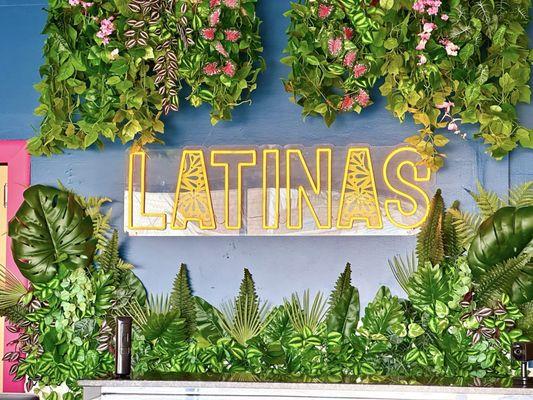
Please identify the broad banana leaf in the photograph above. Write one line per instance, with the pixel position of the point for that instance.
(343, 317)
(502, 236)
(50, 228)
(208, 321)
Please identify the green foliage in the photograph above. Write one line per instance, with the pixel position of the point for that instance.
(450, 236)
(49, 230)
(474, 67)
(304, 315)
(245, 317)
(343, 313)
(92, 91)
(11, 289)
(403, 269)
(324, 54)
(501, 236)
(182, 300)
(65, 319)
(429, 242)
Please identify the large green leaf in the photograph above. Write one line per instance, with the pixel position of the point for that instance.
(344, 315)
(427, 286)
(208, 321)
(167, 326)
(50, 228)
(383, 313)
(501, 236)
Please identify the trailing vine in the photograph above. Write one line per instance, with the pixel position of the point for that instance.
(113, 68)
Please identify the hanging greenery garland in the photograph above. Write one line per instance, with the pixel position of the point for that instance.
(113, 67)
(333, 54)
(445, 63)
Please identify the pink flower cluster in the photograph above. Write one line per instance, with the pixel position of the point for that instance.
(324, 10)
(348, 101)
(106, 29)
(228, 3)
(425, 35)
(212, 68)
(350, 61)
(427, 6)
(84, 4)
(451, 48)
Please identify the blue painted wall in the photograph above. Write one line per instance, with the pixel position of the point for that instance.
(280, 265)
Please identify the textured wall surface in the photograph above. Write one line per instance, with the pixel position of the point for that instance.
(279, 265)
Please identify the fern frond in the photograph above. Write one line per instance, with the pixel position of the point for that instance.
(109, 257)
(466, 225)
(11, 288)
(521, 195)
(181, 299)
(487, 201)
(343, 283)
(429, 246)
(14, 314)
(304, 315)
(500, 278)
(403, 270)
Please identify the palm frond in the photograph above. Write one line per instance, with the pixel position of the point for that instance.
(403, 270)
(521, 195)
(158, 304)
(244, 319)
(303, 314)
(181, 298)
(11, 288)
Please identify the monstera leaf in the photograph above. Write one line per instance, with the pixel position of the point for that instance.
(49, 229)
(383, 314)
(500, 237)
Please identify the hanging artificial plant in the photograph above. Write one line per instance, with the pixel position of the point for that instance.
(113, 67)
(445, 63)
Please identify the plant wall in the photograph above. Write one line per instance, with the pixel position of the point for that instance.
(445, 63)
(468, 286)
(114, 67)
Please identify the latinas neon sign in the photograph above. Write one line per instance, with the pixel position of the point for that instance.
(272, 190)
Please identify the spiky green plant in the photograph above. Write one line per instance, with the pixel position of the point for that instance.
(403, 270)
(304, 315)
(246, 316)
(430, 246)
(181, 299)
(450, 237)
(344, 281)
(11, 288)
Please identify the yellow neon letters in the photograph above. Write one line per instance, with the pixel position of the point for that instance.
(394, 156)
(316, 187)
(233, 159)
(359, 197)
(192, 201)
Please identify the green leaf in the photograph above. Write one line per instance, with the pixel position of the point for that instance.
(344, 316)
(50, 229)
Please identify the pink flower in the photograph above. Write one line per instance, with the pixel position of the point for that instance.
(421, 59)
(105, 40)
(86, 4)
(211, 69)
(359, 70)
(106, 29)
(232, 35)
(433, 10)
(214, 18)
(214, 3)
(335, 46)
(208, 33)
(229, 69)
(444, 17)
(348, 33)
(220, 48)
(324, 11)
(421, 45)
(429, 27)
(73, 2)
(419, 6)
(447, 105)
(362, 98)
(425, 36)
(347, 103)
(451, 48)
(231, 3)
(452, 126)
(349, 58)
